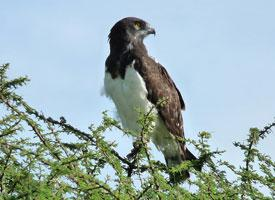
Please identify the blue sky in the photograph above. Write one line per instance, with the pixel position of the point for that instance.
(221, 55)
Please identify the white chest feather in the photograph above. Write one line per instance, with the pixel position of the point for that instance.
(128, 94)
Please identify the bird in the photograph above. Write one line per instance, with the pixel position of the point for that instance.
(133, 79)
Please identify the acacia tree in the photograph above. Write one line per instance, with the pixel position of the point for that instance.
(38, 161)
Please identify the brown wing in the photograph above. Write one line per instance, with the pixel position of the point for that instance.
(160, 86)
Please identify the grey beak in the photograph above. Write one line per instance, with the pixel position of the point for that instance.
(151, 31)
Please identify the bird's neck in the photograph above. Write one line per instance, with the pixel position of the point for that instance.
(120, 46)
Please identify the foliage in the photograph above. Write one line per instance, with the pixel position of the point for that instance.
(38, 161)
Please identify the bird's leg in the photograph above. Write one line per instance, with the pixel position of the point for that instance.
(136, 148)
(137, 145)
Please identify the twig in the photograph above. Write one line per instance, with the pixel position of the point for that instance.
(266, 130)
(144, 191)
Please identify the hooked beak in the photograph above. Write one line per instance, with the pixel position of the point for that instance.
(151, 30)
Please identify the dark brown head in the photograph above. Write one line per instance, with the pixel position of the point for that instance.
(129, 30)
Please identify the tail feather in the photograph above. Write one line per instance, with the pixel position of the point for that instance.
(189, 155)
(197, 164)
(184, 155)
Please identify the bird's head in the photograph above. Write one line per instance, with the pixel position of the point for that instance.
(131, 29)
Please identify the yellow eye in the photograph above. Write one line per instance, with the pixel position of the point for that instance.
(137, 25)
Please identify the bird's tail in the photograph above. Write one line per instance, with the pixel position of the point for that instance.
(183, 155)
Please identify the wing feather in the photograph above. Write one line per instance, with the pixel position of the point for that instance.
(160, 85)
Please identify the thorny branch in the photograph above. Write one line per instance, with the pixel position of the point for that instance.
(266, 130)
(73, 167)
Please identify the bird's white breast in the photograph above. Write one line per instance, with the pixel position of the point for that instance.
(128, 94)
